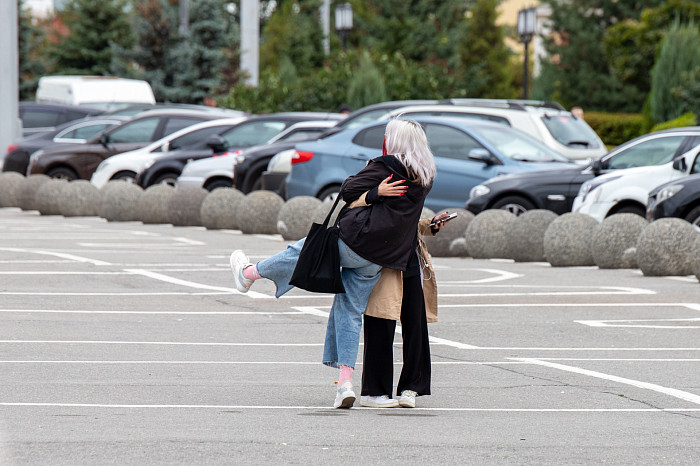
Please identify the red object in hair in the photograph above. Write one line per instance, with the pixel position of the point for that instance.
(384, 152)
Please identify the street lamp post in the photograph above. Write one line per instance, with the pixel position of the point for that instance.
(527, 21)
(343, 21)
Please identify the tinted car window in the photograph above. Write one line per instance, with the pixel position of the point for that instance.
(74, 115)
(370, 137)
(195, 137)
(252, 133)
(652, 152)
(570, 131)
(84, 132)
(475, 116)
(365, 118)
(40, 118)
(518, 146)
(138, 131)
(449, 142)
(176, 124)
(303, 134)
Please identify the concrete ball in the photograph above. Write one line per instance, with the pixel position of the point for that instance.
(665, 246)
(257, 212)
(441, 245)
(426, 213)
(695, 258)
(120, 201)
(185, 205)
(296, 216)
(322, 211)
(50, 196)
(615, 241)
(219, 209)
(153, 207)
(526, 236)
(10, 182)
(568, 240)
(26, 194)
(81, 199)
(487, 232)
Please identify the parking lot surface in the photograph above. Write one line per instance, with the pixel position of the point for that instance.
(124, 343)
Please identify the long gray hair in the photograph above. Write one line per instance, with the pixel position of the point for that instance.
(406, 140)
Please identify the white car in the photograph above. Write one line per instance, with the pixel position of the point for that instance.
(216, 172)
(545, 121)
(127, 165)
(627, 191)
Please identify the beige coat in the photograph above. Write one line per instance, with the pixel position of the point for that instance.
(387, 295)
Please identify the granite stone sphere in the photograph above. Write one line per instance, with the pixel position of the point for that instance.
(219, 209)
(185, 205)
(257, 213)
(665, 247)
(426, 213)
(615, 241)
(568, 240)
(526, 236)
(487, 234)
(695, 258)
(81, 199)
(322, 211)
(120, 201)
(10, 182)
(153, 207)
(26, 194)
(296, 216)
(50, 196)
(441, 245)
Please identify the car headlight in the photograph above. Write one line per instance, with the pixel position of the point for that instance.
(591, 185)
(479, 190)
(146, 164)
(668, 192)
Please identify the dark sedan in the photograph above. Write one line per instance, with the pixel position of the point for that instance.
(79, 161)
(41, 117)
(251, 132)
(679, 198)
(555, 190)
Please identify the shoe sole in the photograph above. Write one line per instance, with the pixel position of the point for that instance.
(376, 405)
(237, 280)
(346, 402)
(407, 404)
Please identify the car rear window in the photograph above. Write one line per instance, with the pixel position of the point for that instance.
(40, 118)
(570, 131)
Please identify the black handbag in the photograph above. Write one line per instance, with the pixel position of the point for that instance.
(318, 266)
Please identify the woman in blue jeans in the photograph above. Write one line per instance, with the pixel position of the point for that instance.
(381, 232)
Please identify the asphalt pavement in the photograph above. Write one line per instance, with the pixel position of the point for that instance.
(124, 343)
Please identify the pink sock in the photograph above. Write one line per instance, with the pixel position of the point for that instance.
(345, 375)
(251, 273)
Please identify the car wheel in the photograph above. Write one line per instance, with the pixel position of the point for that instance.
(218, 184)
(514, 204)
(694, 217)
(62, 173)
(166, 178)
(329, 194)
(630, 209)
(126, 176)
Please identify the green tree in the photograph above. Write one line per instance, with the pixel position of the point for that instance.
(94, 27)
(367, 84)
(484, 52)
(679, 55)
(31, 41)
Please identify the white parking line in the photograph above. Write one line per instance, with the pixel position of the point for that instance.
(201, 286)
(630, 324)
(183, 313)
(686, 396)
(58, 254)
(233, 363)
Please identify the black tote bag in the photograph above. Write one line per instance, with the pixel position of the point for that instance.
(318, 267)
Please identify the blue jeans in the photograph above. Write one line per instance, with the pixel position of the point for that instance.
(345, 320)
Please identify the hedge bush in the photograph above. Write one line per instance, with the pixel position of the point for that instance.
(687, 119)
(616, 128)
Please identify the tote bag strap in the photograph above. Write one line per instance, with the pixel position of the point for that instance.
(330, 212)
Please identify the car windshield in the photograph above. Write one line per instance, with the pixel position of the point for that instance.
(571, 131)
(518, 146)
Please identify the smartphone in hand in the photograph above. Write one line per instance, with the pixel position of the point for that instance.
(444, 219)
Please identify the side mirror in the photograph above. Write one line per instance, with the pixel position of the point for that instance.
(480, 155)
(597, 167)
(216, 143)
(679, 164)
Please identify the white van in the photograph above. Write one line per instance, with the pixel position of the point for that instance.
(97, 91)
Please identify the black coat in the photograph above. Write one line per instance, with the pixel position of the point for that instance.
(385, 231)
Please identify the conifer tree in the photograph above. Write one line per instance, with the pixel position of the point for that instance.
(31, 41)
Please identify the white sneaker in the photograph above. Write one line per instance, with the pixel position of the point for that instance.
(408, 399)
(378, 402)
(239, 261)
(345, 397)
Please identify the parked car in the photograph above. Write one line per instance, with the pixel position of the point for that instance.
(73, 161)
(555, 190)
(467, 152)
(105, 92)
(133, 110)
(253, 131)
(75, 132)
(127, 165)
(216, 172)
(43, 117)
(628, 190)
(678, 198)
(546, 121)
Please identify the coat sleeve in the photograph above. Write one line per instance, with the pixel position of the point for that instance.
(365, 180)
(424, 227)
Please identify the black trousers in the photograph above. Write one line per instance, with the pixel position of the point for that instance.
(378, 357)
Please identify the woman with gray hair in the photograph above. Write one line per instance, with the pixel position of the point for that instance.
(378, 229)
